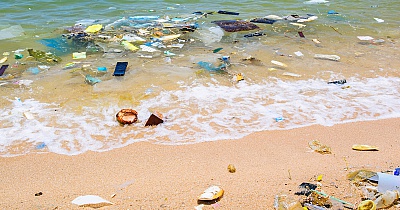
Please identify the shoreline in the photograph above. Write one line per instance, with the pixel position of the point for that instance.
(149, 176)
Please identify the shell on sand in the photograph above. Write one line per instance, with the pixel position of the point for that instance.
(211, 193)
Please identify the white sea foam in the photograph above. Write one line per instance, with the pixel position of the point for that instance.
(198, 113)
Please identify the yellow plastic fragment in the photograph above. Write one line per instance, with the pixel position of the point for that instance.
(367, 205)
(3, 60)
(94, 28)
(129, 46)
(319, 178)
(363, 147)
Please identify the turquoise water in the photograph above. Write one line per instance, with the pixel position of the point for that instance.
(52, 109)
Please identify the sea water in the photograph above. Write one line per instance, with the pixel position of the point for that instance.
(56, 111)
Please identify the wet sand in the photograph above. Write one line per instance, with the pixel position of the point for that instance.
(147, 176)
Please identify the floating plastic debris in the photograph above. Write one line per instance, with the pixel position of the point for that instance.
(94, 28)
(127, 45)
(235, 25)
(278, 63)
(263, 20)
(332, 12)
(299, 25)
(316, 41)
(327, 57)
(227, 13)
(11, 32)
(379, 20)
(365, 38)
(298, 53)
(210, 67)
(291, 74)
(316, 2)
(147, 49)
(91, 80)
(78, 55)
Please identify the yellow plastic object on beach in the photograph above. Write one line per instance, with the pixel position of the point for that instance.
(94, 28)
(363, 147)
(129, 46)
(367, 205)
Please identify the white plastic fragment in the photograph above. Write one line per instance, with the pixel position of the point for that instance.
(365, 38)
(298, 24)
(273, 17)
(315, 2)
(298, 53)
(379, 20)
(291, 74)
(11, 32)
(147, 48)
(28, 115)
(278, 63)
(211, 193)
(93, 201)
(316, 41)
(308, 19)
(199, 207)
(327, 57)
(133, 38)
(388, 182)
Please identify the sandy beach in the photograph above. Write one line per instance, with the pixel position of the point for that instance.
(147, 176)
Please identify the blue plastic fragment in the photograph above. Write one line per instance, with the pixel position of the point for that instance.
(60, 45)
(40, 146)
(210, 67)
(91, 80)
(396, 172)
(102, 68)
(332, 12)
(279, 119)
(144, 18)
(34, 70)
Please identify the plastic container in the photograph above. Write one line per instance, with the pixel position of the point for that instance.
(396, 172)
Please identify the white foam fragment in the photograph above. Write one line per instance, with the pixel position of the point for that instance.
(93, 201)
(365, 38)
(278, 63)
(379, 20)
(316, 2)
(273, 17)
(327, 57)
(28, 115)
(291, 74)
(147, 48)
(298, 53)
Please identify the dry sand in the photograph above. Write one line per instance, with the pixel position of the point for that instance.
(146, 176)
